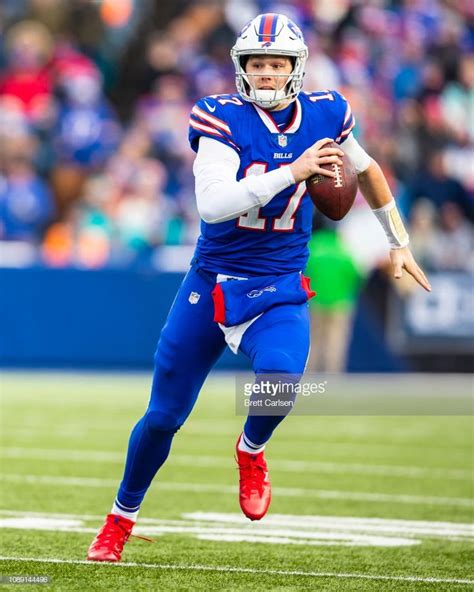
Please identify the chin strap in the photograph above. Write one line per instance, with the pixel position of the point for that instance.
(268, 98)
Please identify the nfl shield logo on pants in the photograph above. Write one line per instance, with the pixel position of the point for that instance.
(282, 140)
(194, 297)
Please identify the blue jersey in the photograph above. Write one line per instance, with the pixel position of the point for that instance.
(271, 239)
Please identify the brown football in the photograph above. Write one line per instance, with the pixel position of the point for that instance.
(334, 196)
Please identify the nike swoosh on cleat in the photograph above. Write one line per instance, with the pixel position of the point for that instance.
(211, 109)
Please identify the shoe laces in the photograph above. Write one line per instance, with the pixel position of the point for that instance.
(252, 474)
(142, 538)
(113, 532)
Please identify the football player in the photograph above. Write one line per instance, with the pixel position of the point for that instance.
(254, 151)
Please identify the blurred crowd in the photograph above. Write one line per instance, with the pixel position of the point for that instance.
(95, 167)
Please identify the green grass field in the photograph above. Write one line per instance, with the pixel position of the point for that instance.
(359, 503)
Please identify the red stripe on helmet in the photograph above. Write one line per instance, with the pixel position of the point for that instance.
(267, 28)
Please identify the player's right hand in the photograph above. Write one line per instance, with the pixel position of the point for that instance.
(403, 259)
(309, 163)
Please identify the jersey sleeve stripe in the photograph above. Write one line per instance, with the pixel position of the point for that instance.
(348, 130)
(348, 115)
(213, 132)
(232, 144)
(210, 119)
(205, 128)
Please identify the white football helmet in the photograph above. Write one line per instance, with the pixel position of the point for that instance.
(270, 34)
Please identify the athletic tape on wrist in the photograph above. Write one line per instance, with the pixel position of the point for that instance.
(393, 226)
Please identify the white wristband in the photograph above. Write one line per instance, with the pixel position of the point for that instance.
(390, 220)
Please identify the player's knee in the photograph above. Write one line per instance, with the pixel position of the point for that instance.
(278, 362)
(162, 421)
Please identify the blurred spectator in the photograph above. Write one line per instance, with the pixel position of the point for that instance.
(336, 281)
(454, 245)
(432, 83)
(26, 85)
(424, 232)
(86, 133)
(163, 116)
(407, 156)
(161, 59)
(458, 102)
(26, 204)
(140, 215)
(407, 80)
(58, 245)
(121, 215)
(435, 184)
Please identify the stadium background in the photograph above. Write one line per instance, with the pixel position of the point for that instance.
(97, 224)
(97, 213)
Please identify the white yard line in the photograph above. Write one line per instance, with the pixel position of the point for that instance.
(278, 529)
(334, 524)
(412, 527)
(304, 524)
(225, 533)
(227, 489)
(292, 466)
(228, 568)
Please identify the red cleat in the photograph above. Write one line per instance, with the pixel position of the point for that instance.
(109, 542)
(255, 491)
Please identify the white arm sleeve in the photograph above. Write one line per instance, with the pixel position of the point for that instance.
(219, 196)
(356, 153)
